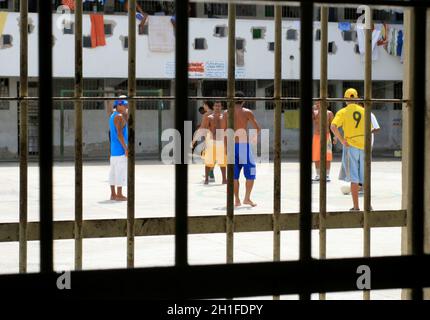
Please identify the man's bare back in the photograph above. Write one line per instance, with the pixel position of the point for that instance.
(316, 117)
(242, 116)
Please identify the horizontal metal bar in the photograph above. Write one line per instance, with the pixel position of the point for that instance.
(203, 225)
(166, 98)
(233, 280)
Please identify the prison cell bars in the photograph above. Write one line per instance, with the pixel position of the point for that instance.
(45, 99)
(418, 139)
(78, 137)
(181, 115)
(277, 143)
(323, 138)
(194, 98)
(306, 67)
(131, 132)
(45, 136)
(367, 136)
(230, 137)
(23, 146)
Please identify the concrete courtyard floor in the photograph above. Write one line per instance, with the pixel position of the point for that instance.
(155, 198)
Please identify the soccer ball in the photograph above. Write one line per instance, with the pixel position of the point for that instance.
(345, 189)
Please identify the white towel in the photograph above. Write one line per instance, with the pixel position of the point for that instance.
(161, 35)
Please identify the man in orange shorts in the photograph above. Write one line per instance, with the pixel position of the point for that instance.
(316, 157)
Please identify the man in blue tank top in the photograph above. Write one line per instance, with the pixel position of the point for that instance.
(118, 149)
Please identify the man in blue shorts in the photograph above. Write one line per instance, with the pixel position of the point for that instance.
(243, 157)
(351, 120)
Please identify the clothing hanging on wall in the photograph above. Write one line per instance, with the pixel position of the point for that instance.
(98, 37)
(376, 36)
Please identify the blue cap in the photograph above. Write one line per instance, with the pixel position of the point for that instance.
(120, 102)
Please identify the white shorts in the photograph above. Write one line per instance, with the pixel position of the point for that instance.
(118, 171)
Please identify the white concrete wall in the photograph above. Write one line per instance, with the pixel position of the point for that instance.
(9, 127)
(110, 61)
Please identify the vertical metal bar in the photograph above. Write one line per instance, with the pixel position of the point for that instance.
(45, 135)
(181, 115)
(407, 136)
(418, 140)
(78, 136)
(367, 138)
(131, 131)
(230, 95)
(306, 56)
(23, 136)
(323, 137)
(277, 144)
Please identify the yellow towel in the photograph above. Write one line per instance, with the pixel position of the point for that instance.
(3, 17)
(292, 119)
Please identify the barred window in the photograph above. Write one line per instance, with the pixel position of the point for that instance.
(148, 88)
(4, 4)
(290, 88)
(218, 88)
(287, 12)
(63, 88)
(379, 91)
(350, 14)
(398, 94)
(221, 9)
(4, 92)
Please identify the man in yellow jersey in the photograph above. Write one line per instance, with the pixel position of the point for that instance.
(351, 120)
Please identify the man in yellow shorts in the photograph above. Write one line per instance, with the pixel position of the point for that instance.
(215, 152)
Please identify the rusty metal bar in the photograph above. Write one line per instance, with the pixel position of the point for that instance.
(277, 145)
(367, 144)
(78, 136)
(418, 140)
(107, 228)
(194, 98)
(131, 132)
(306, 57)
(323, 137)
(23, 136)
(230, 144)
(45, 136)
(181, 116)
(407, 128)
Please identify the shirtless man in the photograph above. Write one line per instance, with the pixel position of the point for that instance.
(243, 157)
(215, 150)
(207, 111)
(316, 116)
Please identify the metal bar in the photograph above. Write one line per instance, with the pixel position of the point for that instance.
(167, 98)
(131, 132)
(407, 136)
(367, 144)
(104, 228)
(78, 136)
(323, 137)
(23, 136)
(336, 3)
(277, 145)
(306, 55)
(45, 135)
(181, 115)
(230, 145)
(418, 141)
(173, 283)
